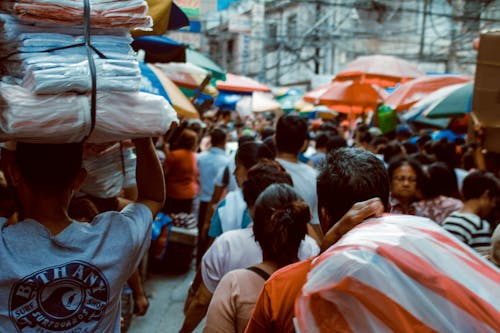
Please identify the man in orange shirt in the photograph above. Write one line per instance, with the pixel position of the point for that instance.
(352, 186)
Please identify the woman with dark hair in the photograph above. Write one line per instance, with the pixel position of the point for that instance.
(280, 224)
(438, 187)
(405, 175)
(232, 213)
(181, 174)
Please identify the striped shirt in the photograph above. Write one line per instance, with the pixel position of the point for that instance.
(470, 229)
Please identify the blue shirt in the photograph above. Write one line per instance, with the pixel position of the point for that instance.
(216, 225)
(209, 165)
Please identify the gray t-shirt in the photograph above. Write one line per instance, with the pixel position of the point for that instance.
(70, 282)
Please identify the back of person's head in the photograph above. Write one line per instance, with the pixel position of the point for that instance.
(291, 134)
(335, 142)
(271, 146)
(422, 140)
(328, 128)
(266, 132)
(244, 139)
(49, 166)
(439, 179)
(280, 223)
(260, 176)
(391, 150)
(322, 140)
(250, 153)
(477, 183)
(410, 148)
(445, 152)
(422, 158)
(365, 138)
(186, 140)
(347, 176)
(218, 137)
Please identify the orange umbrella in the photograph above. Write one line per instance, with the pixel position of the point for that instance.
(348, 96)
(239, 83)
(382, 70)
(412, 91)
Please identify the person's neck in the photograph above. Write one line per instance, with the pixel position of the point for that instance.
(48, 210)
(294, 158)
(268, 266)
(470, 207)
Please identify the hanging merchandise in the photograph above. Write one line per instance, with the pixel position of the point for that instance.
(387, 119)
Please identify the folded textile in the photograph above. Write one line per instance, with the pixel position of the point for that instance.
(66, 117)
(128, 14)
(400, 274)
(108, 174)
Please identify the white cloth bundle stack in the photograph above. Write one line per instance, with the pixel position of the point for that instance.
(46, 94)
(66, 117)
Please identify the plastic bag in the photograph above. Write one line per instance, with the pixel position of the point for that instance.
(400, 274)
(65, 118)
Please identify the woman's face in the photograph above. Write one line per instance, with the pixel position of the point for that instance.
(404, 183)
(240, 173)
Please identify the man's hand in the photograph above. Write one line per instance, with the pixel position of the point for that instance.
(359, 212)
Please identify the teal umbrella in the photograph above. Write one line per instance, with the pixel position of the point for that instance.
(205, 62)
(289, 98)
(454, 105)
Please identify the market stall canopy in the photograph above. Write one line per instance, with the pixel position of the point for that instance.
(382, 70)
(201, 60)
(166, 16)
(258, 102)
(239, 83)
(160, 49)
(161, 84)
(408, 93)
(288, 97)
(186, 75)
(454, 105)
(418, 109)
(348, 96)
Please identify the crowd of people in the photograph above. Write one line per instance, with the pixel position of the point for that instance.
(266, 208)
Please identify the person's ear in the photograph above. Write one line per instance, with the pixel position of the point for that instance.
(304, 146)
(79, 179)
(324, 219)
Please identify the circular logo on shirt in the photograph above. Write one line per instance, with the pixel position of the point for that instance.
(59, 298)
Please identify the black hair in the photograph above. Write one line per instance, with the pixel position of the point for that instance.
(49, 166)
(291, 133)
(187, 139)
(260, 176)
(422, 158)
(244, 139)
(267, 132)
(445, 151)
(424, 139)
(410, 148)
(280, 223)
(391, 150)
(365, 137)
(271, 145)
(250, 153)
(322, 140)
(400, 161)
(350, 175)
(439, 179)
(335, 142)
(218, 137)
(477, 182)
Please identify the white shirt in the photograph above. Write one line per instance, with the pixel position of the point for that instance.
(238, 249)
(304, 182)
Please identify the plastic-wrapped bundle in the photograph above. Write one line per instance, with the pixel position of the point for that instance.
(66, 117)
(127, 14)
(67, 69)
(400, 274)
(109, 173)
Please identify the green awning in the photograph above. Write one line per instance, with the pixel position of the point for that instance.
(205, 62)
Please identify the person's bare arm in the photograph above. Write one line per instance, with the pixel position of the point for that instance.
(197, 309)
(359, 212)
(149, 176)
